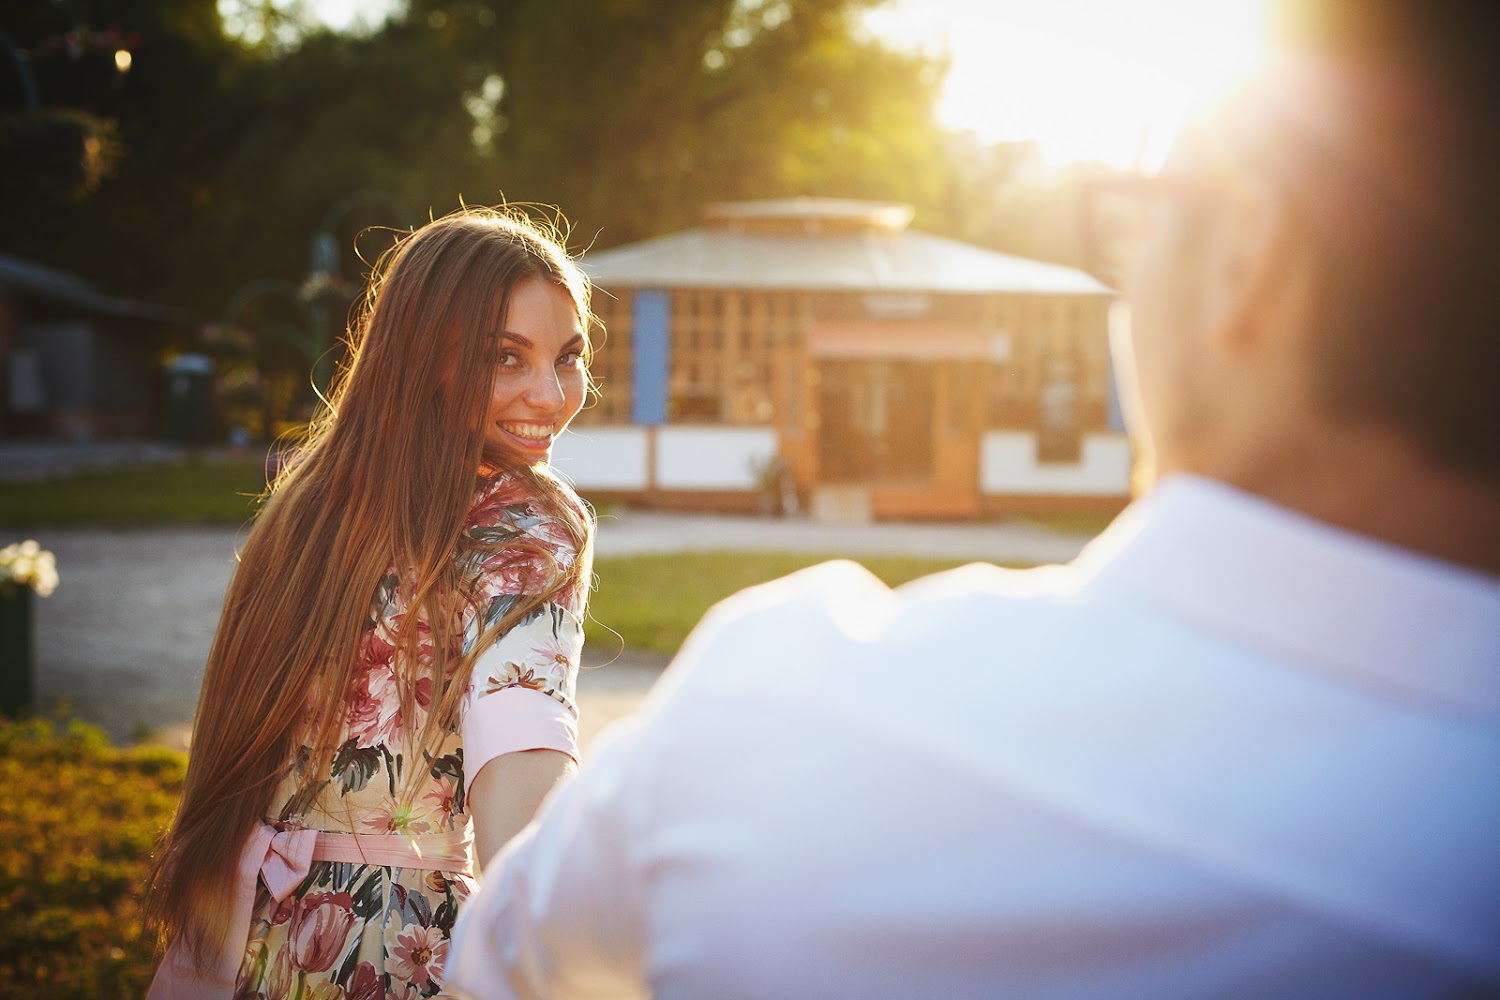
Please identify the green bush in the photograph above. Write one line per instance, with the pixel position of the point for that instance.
(80, 821)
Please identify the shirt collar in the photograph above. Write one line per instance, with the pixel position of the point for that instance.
(1400, 623)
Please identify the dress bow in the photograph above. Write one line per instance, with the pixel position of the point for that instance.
(287, 860)
(282, 859)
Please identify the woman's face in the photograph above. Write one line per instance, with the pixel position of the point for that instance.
(539, 378)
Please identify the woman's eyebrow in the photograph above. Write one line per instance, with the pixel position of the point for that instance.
(520, 340)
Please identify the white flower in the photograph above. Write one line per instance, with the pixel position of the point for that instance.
(27, 564)
(44, 579)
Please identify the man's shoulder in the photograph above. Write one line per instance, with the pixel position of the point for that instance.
(844, 596)
(838, 616)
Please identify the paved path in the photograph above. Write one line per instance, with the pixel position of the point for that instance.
(634, 531)
(125, 637)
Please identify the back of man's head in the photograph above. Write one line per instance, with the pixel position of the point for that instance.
(1393, 159)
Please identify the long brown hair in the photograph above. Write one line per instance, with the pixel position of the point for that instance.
(386, 474)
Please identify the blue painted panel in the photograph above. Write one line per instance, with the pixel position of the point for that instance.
(651, 335)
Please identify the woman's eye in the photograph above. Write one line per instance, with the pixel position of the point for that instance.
(570, 359)
(509, 359)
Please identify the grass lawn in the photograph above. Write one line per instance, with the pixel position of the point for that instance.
(653, 601)
(193, 492)
(1071, 522)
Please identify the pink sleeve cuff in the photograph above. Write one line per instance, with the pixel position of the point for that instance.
(513, 719)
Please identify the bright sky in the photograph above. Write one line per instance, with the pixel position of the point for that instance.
(342, 15)
(1089, 79)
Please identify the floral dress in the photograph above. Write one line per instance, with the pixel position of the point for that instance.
(369, 931)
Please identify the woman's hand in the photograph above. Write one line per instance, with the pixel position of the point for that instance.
(506, 792)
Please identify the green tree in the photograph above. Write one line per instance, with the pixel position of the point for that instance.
(632, 114)
(629, 115)
(139, 163)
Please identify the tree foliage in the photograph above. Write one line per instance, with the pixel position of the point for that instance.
(219, 156)
(147, 140)
(636, 113)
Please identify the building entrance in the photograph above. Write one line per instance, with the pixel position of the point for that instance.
(876, 421)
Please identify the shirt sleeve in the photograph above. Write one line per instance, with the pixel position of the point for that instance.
(560, 911)
(521, 693)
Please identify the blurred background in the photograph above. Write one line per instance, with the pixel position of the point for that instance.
(863, 195)
(854, 263)
(854, 260)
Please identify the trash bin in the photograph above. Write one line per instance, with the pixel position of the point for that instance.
(17, 686)
(187, 408)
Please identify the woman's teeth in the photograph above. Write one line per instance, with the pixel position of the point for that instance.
(534, 432)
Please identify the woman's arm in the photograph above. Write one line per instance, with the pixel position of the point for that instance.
(561, 912)
(506, 792)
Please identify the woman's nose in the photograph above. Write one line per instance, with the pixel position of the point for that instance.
(544, 390)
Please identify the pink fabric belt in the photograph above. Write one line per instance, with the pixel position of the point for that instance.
(281, 859)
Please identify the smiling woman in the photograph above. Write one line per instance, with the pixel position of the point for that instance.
(390, 691)
(1102, 80)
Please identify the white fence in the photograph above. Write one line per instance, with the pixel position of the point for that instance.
(604, 458)
(687, 458)
(1008, 466)
(725, 458)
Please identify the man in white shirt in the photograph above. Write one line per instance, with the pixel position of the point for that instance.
(1248, 745)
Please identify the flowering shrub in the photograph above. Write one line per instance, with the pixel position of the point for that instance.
(27, 564)
(78, 826)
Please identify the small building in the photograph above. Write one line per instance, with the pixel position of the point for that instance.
(822, 352)
(75, 363)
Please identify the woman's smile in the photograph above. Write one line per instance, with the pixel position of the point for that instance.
(539, 379)
(533, 431)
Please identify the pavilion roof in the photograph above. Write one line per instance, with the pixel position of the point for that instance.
(825, 245)
(19, 276)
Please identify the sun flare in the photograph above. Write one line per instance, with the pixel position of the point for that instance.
(1100, 80)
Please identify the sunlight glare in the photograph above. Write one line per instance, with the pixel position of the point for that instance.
(353, 15)
(1103, 80)
(246, 18)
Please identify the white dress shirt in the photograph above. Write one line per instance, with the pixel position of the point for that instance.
(1229, 752)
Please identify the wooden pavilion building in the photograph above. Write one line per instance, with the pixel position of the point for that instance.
(821, 352)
